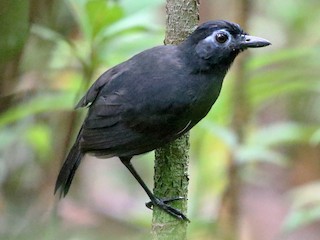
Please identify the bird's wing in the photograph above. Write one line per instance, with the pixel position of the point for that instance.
(116, 127)
(102, 81)
(131, 113)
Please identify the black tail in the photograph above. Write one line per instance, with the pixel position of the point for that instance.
(69, 168)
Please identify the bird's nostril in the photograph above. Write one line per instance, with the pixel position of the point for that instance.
(248, 40)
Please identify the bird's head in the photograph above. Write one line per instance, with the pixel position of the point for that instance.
(219, 42)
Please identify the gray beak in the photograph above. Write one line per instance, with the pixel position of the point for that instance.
(253, 42)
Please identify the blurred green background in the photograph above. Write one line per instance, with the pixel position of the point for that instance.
(266, 126)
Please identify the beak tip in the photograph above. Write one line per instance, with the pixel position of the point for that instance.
(268, 43)
(255, 42)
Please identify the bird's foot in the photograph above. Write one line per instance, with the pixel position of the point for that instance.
(163, 204)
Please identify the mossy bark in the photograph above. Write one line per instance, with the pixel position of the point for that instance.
(172, 161)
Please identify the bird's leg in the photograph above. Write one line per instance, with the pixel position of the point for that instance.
(155, 201)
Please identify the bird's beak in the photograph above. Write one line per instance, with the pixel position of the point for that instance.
(248, 41)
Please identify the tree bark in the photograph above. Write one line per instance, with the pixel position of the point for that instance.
(171, 162)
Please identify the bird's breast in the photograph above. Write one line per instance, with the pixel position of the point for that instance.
(204, 93)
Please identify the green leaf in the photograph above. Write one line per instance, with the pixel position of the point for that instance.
(315, 138)
(131, 7)
(253, 153)
(39, 104)
(280, 133)
(301, 217)
(14, 25)
(102, 13)
(39, 137)
(286, 73)
(139, 22)
(305, 207)
(48, 34)
(225, 134)
(278, 57)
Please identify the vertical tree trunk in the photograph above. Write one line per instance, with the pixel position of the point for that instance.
(171, 163)
(230, 212)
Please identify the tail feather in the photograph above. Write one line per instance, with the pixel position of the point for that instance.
(69, 168)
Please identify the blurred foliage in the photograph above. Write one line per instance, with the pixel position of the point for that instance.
(305, 207)
(69, 43)
(14, 27)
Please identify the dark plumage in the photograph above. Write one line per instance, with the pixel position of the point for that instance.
(155, 97)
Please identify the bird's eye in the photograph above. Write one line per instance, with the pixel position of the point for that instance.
(221, 37)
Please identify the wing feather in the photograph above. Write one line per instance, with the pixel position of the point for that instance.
(130, 114)
(100, 83)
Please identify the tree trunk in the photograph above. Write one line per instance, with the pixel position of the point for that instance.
(171, 162)
(230, 211)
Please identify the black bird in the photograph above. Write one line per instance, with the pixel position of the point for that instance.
(155, 97)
